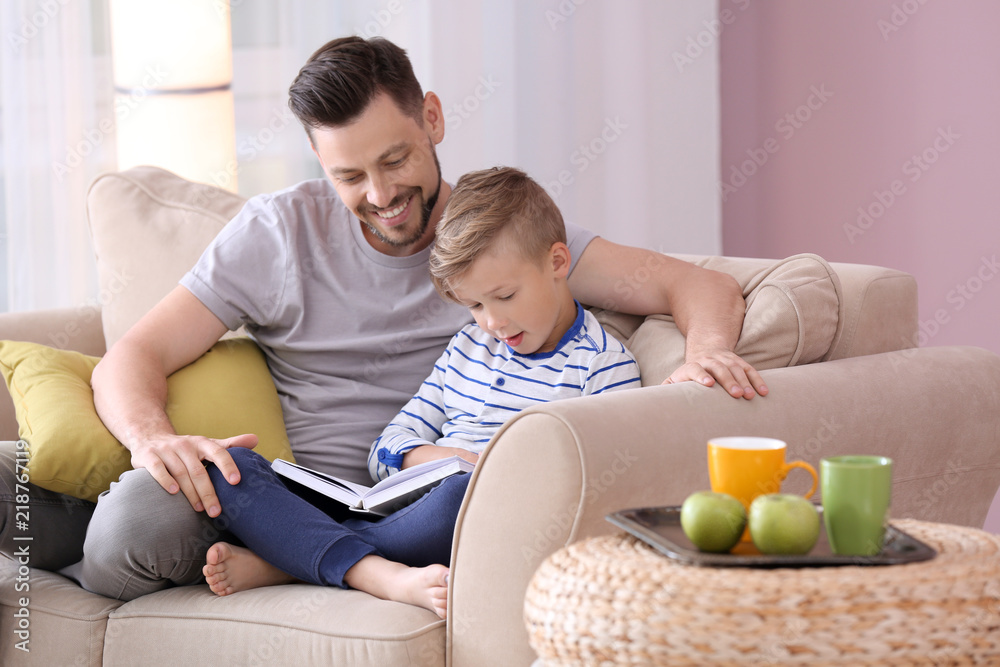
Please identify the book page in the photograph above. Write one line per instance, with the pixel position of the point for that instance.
(357, 489)
(347, 492)
(409, 484)
(421, 478)
(414, 471)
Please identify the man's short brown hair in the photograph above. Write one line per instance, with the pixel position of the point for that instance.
(489, 207)
(341, 79)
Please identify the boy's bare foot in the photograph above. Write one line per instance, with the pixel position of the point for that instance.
(231, 569)
(425, 587)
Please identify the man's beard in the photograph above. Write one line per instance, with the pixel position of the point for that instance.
(425, 217)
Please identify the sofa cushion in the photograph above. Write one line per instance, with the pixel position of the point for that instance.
(794, 316)
(276, 625)
(59, 608)
(226, 392)
(148, 227)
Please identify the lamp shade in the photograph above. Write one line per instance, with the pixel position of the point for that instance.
(172, 65)
(187, 42)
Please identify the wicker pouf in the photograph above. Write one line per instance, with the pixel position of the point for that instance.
(615, 601)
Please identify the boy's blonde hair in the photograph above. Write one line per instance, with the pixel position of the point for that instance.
(488, 207)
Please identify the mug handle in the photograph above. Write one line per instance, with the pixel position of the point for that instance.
(808, 468)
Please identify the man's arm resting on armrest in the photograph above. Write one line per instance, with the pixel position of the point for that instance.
(130, 394)
(707, 306)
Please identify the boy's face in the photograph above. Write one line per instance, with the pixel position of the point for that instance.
(525, 304)
(385, 169)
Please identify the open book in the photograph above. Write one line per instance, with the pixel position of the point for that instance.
(385, 497)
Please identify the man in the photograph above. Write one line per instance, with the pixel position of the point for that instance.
(331, 278)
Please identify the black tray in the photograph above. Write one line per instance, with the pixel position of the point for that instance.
(660, 527)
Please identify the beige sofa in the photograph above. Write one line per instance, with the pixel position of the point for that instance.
(836, 341)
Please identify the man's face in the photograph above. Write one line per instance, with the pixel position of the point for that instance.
(385, 169)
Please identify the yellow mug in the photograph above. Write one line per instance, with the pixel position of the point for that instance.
(747, 467)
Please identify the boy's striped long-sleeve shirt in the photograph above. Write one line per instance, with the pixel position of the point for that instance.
(479, 383)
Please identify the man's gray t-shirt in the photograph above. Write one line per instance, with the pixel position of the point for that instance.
(349, 333)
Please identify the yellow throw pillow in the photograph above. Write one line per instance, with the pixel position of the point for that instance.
(226, 392)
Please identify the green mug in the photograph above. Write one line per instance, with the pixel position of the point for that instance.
(856, 497)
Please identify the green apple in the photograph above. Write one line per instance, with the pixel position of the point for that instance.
(713, 521)
(783, 523)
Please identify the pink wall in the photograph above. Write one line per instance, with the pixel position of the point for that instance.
(891, 107)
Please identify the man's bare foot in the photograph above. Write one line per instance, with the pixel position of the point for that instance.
(425, 587)
(231, 569)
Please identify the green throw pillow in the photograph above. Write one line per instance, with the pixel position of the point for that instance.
(226, 392)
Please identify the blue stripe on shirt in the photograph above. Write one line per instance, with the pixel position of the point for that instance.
(466, 401)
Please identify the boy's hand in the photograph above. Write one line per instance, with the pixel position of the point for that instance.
(426, 453)
(735, 375)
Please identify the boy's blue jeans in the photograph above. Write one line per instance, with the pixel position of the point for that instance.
(316, 545)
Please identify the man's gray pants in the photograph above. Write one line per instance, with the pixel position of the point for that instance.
(137, 539)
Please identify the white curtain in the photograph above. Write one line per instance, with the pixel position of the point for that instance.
(600, 101)
(57, 135)
(587, 96)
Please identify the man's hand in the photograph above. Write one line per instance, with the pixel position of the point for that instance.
(176, 463)
(707, 306)
(721, 365)
(425, 453)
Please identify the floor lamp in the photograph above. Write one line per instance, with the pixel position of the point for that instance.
(173, 105)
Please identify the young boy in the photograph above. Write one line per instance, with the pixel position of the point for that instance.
(501, 251)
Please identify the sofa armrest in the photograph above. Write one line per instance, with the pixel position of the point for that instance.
(879, 304)
(880, 311)
(552, 474)
(64, 328)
